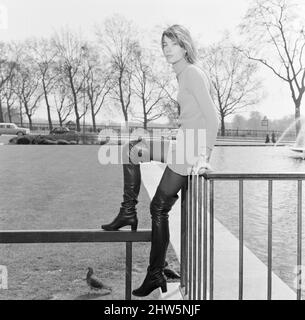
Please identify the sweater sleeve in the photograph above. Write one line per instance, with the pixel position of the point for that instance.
(197, 85)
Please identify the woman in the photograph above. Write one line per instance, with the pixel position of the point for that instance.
(197, 114)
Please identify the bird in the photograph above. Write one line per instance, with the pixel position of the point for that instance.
(95, 283)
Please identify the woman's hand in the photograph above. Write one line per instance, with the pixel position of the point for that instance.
(201, 166)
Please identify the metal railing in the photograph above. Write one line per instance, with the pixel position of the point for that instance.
(197, 232)
(91, 235)
(254, 133)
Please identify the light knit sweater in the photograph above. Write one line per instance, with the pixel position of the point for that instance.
(197, 111)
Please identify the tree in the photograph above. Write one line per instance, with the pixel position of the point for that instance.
(43, 55)
(10, 97)
(239, 122)
(28, 88)
(99, 82)
(7, 67)
(27, 81)
(254, 121)
(149, 87)
(70, 63)
(171, 111)
(283, 123)
(234, 86)
(276, 38)
(118, 43)
(63, 100)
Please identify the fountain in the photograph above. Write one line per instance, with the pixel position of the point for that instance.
(299, 145)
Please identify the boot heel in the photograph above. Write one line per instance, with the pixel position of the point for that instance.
(134, 226)
(164, 287)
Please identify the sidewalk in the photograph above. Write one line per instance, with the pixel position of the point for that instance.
(225, 258)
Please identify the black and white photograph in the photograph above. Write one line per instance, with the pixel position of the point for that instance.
(152, 150)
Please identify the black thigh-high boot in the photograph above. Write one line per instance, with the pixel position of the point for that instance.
(160, 205)
(132, 182)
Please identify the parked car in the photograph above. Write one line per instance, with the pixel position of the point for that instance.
(63, 133)
(12, 128)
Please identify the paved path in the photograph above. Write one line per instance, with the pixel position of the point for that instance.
(226, 255)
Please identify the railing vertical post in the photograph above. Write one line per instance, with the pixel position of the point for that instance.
(199, 232)
(191, 274)
(128, 271)
(183, 244)
(211, 295)
(194, 236)
(205, 242)
(299, 241)
(269, 281)
(241, 240)
(189, 238)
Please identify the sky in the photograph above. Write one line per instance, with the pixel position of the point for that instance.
(207, 19)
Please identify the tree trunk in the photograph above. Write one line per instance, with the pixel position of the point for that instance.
(75, 102)
(93, 120)
(144, 113)
(47, 104)
(122, 100)
(28, 115)
(20, 112)
(297, 116)
(9, 112)
(30, 122)
(126, 117)
(1, 112)
(223, 129)
(145, 121)
(59, 118)
(92, 112)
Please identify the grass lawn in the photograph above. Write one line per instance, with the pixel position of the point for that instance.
(65, 187)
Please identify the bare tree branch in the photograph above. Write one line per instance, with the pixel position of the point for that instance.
(232, 77)
(271, 22)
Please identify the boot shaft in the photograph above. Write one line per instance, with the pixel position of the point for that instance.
(160, 205)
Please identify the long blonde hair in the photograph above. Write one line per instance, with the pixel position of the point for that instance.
(180, 34)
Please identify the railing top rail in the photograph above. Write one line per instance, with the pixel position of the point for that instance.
(255, 176)
(83, 235)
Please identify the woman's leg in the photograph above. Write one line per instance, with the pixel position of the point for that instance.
(162, 202)
(171, 182)
(133, 154)
(132, 182)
